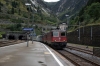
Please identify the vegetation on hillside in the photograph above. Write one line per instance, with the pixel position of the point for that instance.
(15, 11)
(89, 15)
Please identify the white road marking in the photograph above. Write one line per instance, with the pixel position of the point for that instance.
(47, 53)
(53, 55)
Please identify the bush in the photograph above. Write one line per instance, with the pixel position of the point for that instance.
(93, 11)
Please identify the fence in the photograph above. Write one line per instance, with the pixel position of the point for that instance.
(89, 35)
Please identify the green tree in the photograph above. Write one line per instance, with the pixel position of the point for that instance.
(19, 11)
(15, 27)
(12, 10)
(94, 10)
(1, 4)
(14, 4)
(0, 9)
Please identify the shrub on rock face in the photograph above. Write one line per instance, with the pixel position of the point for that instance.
(0, 36)
(94, 10)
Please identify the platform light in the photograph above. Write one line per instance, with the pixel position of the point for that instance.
(27, 4)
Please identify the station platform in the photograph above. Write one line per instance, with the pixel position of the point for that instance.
(36, 54)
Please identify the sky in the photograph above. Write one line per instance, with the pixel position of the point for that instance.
(51, 0)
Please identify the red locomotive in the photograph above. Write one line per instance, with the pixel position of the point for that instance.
(55, 38)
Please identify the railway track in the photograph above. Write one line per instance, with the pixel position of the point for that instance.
(81, 50)
(77, 60)
(9, 42)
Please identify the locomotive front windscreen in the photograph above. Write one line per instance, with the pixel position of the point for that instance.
(63, 34)
(56, 34)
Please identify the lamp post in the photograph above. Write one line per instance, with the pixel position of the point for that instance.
(67, 21)
(79, 31)
(27, 39)
(33, 33)
(28, 4)
(7, 35)
(91, 33)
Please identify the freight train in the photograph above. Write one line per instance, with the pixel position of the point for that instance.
(55, 38)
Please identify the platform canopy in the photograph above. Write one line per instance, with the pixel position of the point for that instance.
(28, 29)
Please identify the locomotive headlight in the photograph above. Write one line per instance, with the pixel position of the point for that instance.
(65, 40)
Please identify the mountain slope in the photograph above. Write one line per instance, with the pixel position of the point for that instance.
(88, 16)
(12, 11)
(70, 7)
(90, 13)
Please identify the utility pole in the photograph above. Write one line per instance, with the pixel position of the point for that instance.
(91, 33)
(33, 32)
(79, 31)
(27, 41)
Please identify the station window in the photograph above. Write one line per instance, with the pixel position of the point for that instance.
(63, 34)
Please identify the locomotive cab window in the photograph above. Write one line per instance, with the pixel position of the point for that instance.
(63, 34)
(56, 34)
